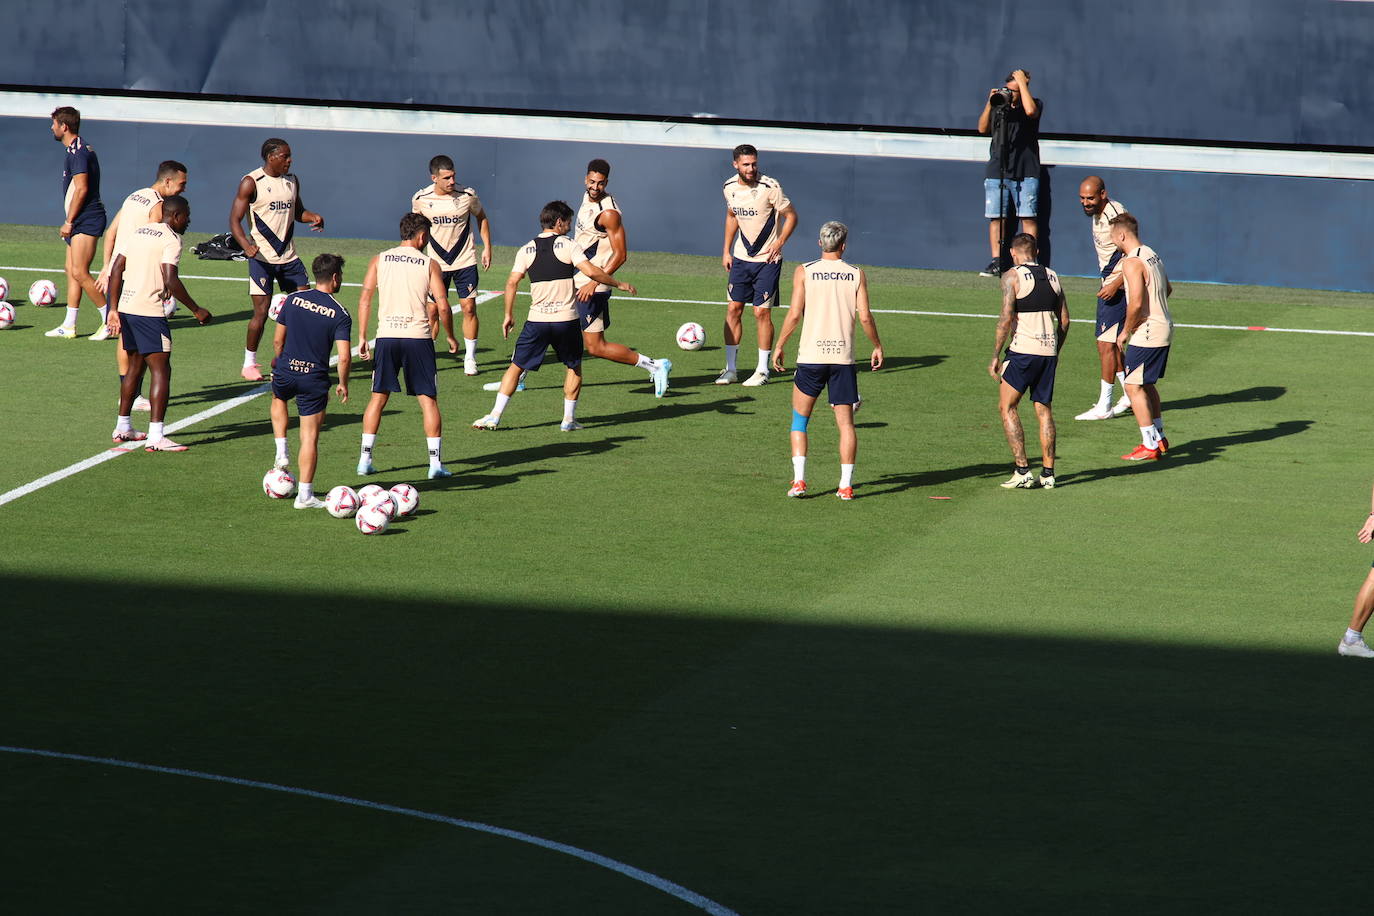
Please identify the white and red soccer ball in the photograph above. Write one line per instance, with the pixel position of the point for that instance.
(43, 292)
(373, 518)
(407, 498)
(6, 314)
(4, 289)
(691, 336)
(274, 307)
(342, 502)
(278, 483)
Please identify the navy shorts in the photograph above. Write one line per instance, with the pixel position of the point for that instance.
(393, 356)
(311, 390)
(1145, 365)
(1022, 371)
(90, 221)
(841, 379)
(594, 315)
(144, 334)
(463, 280)
(1109, 318)
(289, 277)
(537, 336)
(754, 283)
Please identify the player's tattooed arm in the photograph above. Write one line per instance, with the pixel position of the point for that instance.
(1003, 322)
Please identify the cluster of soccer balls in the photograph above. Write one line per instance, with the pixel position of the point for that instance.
(42, 292)
(372, 508)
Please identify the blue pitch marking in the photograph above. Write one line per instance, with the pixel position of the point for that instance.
(629, 871)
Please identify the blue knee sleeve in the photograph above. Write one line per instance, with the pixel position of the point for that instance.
(799, 422)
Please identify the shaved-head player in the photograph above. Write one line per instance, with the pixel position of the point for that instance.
(1111, 298)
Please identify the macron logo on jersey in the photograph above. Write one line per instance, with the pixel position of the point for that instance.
(315, 307)
(405, 259)
(831, 275)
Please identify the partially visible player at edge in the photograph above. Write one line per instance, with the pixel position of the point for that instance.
(139, 209)
(143, 274)
(411, 305)
(270, 197)
(310, 324)
(1352, 643)
(1145, 335)
(1111, 298)
(1035, 318)
(753, 257)
(451, 208)
(84, 223)
(552, 260)
(827, 295)
(600, 233)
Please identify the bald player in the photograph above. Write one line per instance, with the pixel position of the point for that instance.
(827, 295)
(85, 219)
(600, 234)
(754, 204)
(1035, 316)
(411, 305)
(551, 260)
(140, 208)
(1111, 299)
(144, 273)
(451, 209)
(270, 198)
(1146, 334)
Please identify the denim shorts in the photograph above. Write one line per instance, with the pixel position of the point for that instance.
(1021, 199)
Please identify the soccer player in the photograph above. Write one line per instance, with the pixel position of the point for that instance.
(754, 204)
(85, 220)
(1352, 643)
(144, 273)
(1145, 334)
(451, 208)
(552, 261)
(1035, 316)
(827, 295)
(309, 325)
(271, 198)
(139, 209)
(411, 304)
(600, 234)
(1111, 298)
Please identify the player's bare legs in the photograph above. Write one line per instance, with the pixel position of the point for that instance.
(1110, 357)
(1140, 404)
(596, 344)
(372, 414)
(310, 443)
(734, 325)
(80, 253)
(1364, 604)
(763, 318)
(802, 405)
(572, 388)
(160, 368)
(470, 322)
(505, 388)
(133, 380)
(280, 418)
(849, 438)
(257, 322)
(429, 410)
(1047, 436)
(1007, 400)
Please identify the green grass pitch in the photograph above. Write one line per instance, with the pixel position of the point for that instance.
(1119, 695)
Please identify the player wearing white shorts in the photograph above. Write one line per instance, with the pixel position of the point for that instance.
(1146, 334)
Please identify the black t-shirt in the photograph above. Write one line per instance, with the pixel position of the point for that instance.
(1023, 144)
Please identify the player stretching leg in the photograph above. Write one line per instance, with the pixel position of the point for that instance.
(552, 261)
(451, 208)
(309, 324)
(142, 276)
(827, 295)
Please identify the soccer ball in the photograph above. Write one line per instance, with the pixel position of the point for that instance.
(341, 502)
(368, 495)
(6, 314)
(169, 305)
(274, 308)
(387, 504)
(407, 498)
(691, 336)
(372, 519)
(43, 292)
(278, 483)
(4, 289)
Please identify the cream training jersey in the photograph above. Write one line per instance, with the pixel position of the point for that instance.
(1102, 232)
(756, 208)
(1157, 330)
(146, 249)
(450, 222)
(1036, 331)
(832, 304)
(136, 211)
(593, 240)
(272, 216)
(403, 293)
(549, 259)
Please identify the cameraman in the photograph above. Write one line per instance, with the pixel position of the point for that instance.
(1019, 115)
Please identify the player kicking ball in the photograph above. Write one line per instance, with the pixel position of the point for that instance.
(311, 323)
(552, 262)
(827, 296)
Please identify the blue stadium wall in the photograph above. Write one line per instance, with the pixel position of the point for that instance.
(1248, 75)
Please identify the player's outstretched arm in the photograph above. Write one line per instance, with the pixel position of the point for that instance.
(439, 294)
(365, 307)
(794, 317)
(869, 323)
(1003, 323)
(600, 276)
(116, 287)
(171, 281)
(731, 229)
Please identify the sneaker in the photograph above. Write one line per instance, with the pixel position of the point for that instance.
(755, 380)
(469, 366)
(1047, 481)
(859, 403)
(1356, 649)
(251, 373)
(660, 377)
(520, 385)
(440, 471)
(142, 403)
(63, 332)
(1096, 412)
(282, 464)
(164, 445)
(570, 426)
(128, 435)
(1141, 453)
(727, 378)
(102, 334)
(845, 493)
(365, 467)
(313, 502)
(487, 422)
(1163, 445)
(1019, 481)
(1122, 406)
(994, 269)
(493, 386)
(798, 488)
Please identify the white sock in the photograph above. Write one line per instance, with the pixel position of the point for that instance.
(1159, 425)
(281, 447)
(155, 432)
(731, 357)
(435, 446)
(646, 363)
(104, 313)
(1352, 636)
(569, 409)
(369, 440)
(470, 348)
(798, 467)
(1121, 380)
(500, 406)
(250, 358)
(1149, 437)
(1104, 396)
(846, 475)
(71, 318)
(307, 491)
(763, 361)
(123, 424)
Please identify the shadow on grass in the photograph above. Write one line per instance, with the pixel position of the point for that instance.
(262, 427)
(967, 771)
(897, 483)
(1240, 396)
(481, 472)
(1194, 452)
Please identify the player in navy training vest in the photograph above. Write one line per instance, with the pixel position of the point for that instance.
(85, 221)
(311, 325)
